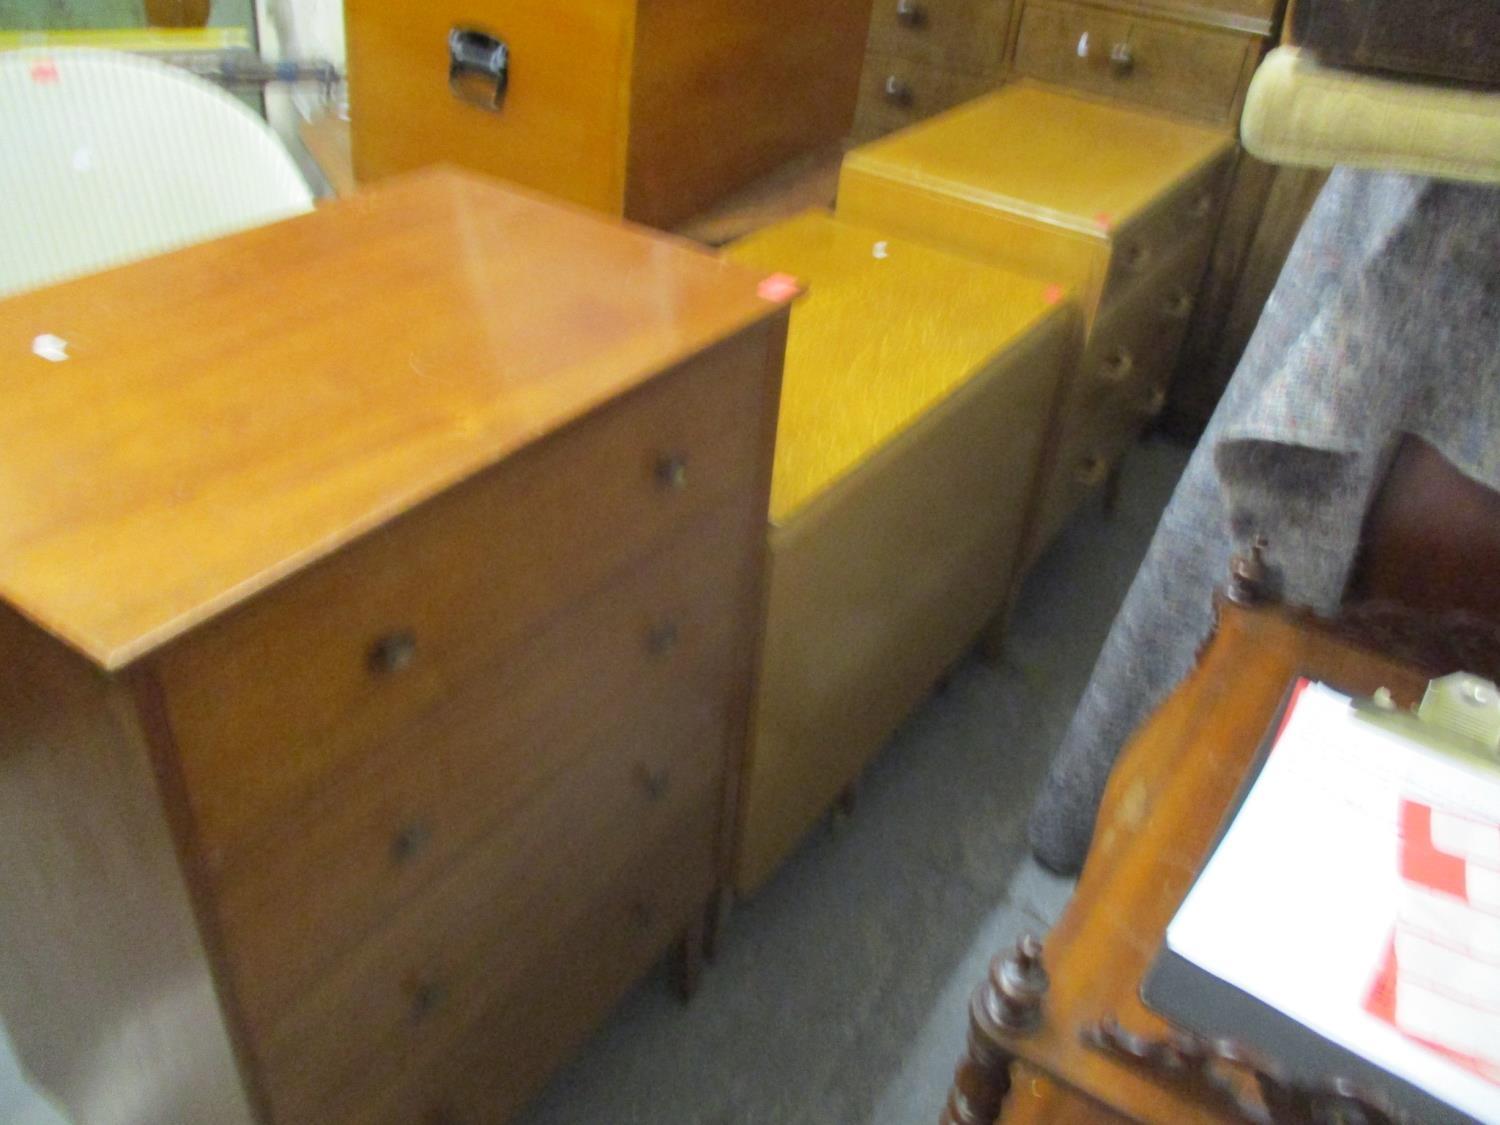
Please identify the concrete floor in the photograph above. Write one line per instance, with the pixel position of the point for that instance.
(839, 994)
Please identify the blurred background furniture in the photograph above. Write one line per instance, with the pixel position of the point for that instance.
(126, 157)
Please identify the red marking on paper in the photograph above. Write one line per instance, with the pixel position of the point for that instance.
(1421, 862)
(778, 287)
(1291, 705)
(1052, 294)
(45, 72)
(1104, 220)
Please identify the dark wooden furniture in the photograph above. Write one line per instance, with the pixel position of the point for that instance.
(1157, 822)
(378, 596)
(1447, 40)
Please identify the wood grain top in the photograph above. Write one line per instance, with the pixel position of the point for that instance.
(888, 329)
(1087, 165)
(229, 413)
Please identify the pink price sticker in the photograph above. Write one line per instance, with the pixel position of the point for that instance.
(1104, 220)
(778, 288)
(1052, 294)
(44, 72)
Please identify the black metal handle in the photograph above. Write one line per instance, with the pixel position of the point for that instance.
(478, 67)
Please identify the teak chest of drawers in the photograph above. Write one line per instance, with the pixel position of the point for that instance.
(653, 110)
(1116, 204)
(919, 387)
(379, 591)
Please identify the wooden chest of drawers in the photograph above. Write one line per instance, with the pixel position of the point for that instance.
(650, 110)
(919, 388)
(378, 595)
(1116, 204)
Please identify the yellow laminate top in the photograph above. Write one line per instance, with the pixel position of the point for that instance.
(1087, 165)
(887, 329)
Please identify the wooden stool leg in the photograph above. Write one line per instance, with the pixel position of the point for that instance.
(1007, 1003)
(687, 962)
(979, 1086)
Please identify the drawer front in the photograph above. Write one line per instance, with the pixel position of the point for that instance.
(478, 939)
(659, 641)
(1186, 215)
(956, 35)
(895, 92)
(1197, 72)
(270, 699)
(567, 991)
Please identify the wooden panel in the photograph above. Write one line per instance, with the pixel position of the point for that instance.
(1192, 71)
(567, 988)
(955, 35)
(482, 939)
(266, 701)
(656, 642)
(1035, 1099)
(882, 583)
(895, 92)
(568, 93)
(724, 91)
(256, 402)
(106, 988)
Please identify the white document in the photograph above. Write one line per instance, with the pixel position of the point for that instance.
(1358, 892)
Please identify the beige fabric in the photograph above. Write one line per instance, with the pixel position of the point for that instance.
(1300, 113)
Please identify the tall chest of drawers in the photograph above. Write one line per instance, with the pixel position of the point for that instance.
(380, 593)
(1114, 204)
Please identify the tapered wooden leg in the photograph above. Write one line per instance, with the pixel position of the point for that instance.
(687, 962)
(715, 918)
(1112, 490)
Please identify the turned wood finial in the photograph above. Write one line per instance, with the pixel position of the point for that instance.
(1012, 996)
(1249, 575)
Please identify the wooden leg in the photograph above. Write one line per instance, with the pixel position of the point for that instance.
(715, 917)
(1112, 489)
(687, 963)
(979, 1086)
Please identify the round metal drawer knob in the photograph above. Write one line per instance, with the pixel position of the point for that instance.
(410, 841)
(671, 472)
(1179, 305)
(1117, 366)
(1155, 402)
(898, 91)
(393, 652)
(1121, 60)
(910, 14)
(1092, 471)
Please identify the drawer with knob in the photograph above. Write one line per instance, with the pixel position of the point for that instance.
(896, 92)
(482, 934)
(1194, 71)
(271, 699)
(956, 35)
(1142, 248)
(660, 639)
(593, 957)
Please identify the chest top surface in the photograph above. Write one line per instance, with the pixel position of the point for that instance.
(231, 412)
(1087, 165)
(849, 387)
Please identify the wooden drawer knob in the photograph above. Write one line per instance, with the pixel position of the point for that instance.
(898, 91)
(1121, 60)
(1092, 471)
(1117, 366)
(1179, 305)
(671, 471)
(1134, 256)
(393, 652)
(427, 996)
(655, 781)
(910, 14)
(410, 841)
(662, 638)
(1156, 402)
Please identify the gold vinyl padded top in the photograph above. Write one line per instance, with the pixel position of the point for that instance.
(887, 329)
(1087, 165)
